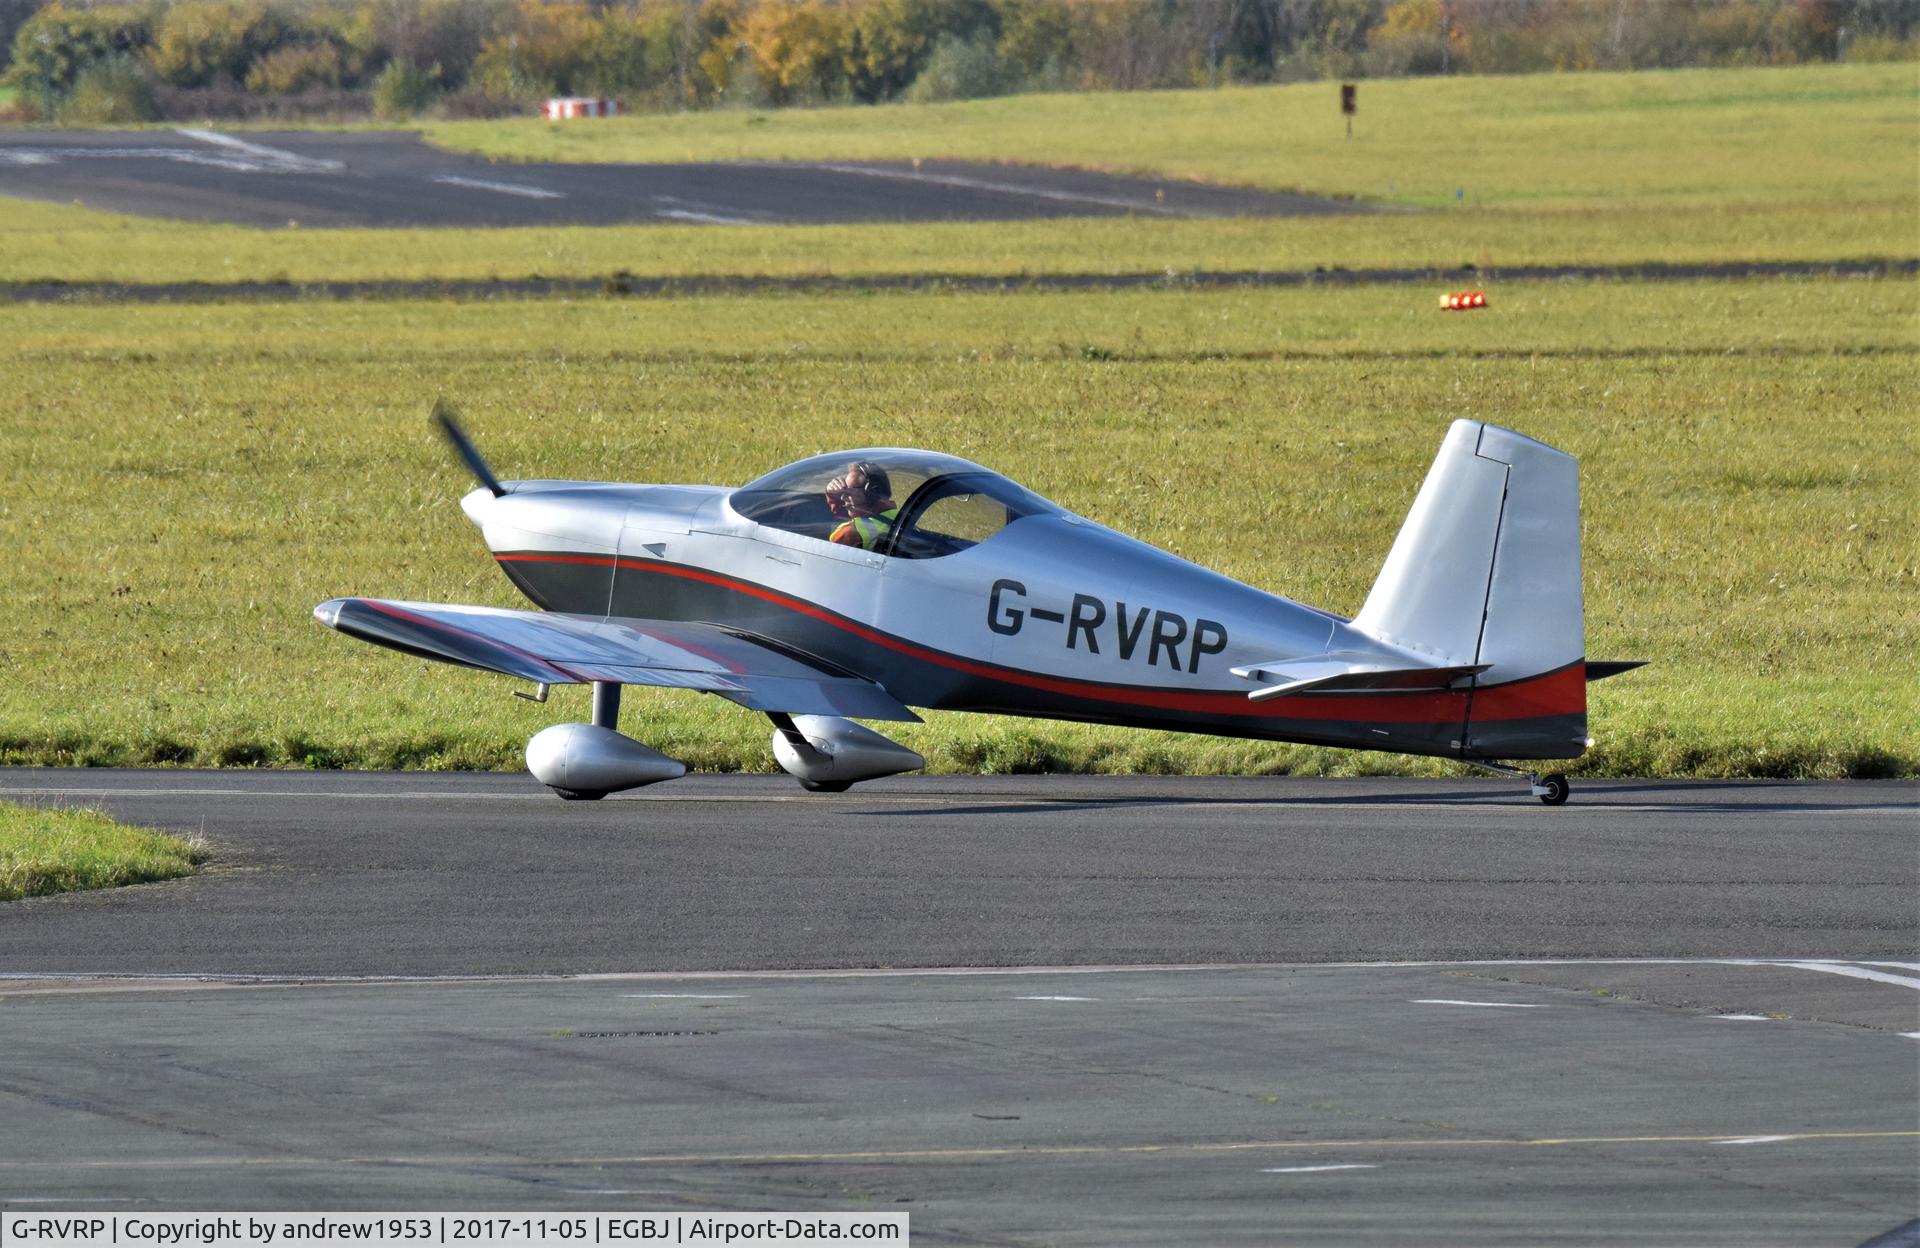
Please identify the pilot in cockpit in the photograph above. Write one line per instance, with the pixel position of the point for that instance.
(862, 498)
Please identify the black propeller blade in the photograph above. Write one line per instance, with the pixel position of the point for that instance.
(464, 448)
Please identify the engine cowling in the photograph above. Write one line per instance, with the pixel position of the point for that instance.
(586, 761)
(829, 753)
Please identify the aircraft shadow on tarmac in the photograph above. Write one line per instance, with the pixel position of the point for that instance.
(1672, 793)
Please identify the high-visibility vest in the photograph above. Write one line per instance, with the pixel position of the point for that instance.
(870, 529)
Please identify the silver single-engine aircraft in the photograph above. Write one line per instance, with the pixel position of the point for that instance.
(858, 584)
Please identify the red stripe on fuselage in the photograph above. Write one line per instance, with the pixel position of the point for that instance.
(1560, 692)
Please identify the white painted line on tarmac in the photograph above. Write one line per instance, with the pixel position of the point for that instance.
(686, 996)
(675, 208)
(1491, 1005)
(1742, 1018)
(1911, 1035)
(936, 1156)
(1354, 1165)
(1758, 1139)
(1056, 998)
(503, 188)
(116, 981)
(287, 161)
(179, 155)
(1829, 966)
(1004, 188)
(1857, 972)
(701, 218)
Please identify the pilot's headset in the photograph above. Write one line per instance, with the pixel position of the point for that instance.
(878, 485)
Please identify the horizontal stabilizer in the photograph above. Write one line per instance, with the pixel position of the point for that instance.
(1333, 674)
(1600, 669)
(558, 649)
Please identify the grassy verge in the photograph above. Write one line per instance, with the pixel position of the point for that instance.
(63, 851)
(53, 242)
(181, 485)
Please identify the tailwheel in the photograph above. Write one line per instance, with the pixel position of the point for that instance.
(1552, 790)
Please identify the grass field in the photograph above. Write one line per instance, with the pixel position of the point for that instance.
(61, 851)
(182, 484)
(1845, 132)
(1811, 163)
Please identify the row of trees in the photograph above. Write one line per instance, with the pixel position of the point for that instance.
(112, 60)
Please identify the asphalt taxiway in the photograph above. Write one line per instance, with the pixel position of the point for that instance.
(1025, 1010)
(418, 874)
(389, 179)
(1323, 1104)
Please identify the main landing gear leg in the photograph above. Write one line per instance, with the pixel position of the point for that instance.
(606, 704)
(1551, 790)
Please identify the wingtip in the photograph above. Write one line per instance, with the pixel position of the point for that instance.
(328, 612)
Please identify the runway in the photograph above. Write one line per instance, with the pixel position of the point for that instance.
(1025, 1010)
(391, 179)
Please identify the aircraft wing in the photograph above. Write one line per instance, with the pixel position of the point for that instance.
(559, 649)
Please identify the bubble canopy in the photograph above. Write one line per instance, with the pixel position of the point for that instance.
(942, 504)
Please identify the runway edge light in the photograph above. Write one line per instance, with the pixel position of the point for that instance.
(1463, 301)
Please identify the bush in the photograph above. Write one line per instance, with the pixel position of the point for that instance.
(231, 103)
(109, 92)
(447, 33)
(53, 46)
(1407, 55)
(889, 41)
(1036, 42)
(476, 105)
(403, 90)
(197, 44)
(797, 50)
(543, 50)
(1867, 48)
(295, 68)
(960, 69)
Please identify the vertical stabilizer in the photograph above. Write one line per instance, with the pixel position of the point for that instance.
(1431, 595)
(1486, 569)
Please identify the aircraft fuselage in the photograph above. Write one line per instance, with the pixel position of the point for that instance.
(1053, 616)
